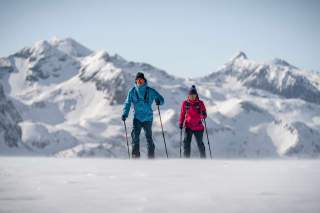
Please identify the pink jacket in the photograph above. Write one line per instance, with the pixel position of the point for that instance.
(196, 112)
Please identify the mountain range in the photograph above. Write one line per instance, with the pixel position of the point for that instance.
(59, 98)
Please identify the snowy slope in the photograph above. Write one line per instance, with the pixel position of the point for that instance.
(50, 185)
(69, 99)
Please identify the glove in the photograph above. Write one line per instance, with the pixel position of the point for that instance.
(123, 117)
(157, 102)
(180, 126)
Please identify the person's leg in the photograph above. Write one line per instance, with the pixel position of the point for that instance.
(147, 126)
(187, 143)
(199, 139)
(135, 134)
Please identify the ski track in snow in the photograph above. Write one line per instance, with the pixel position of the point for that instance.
(54, 185)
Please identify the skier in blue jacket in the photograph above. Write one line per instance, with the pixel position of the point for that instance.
(142, 97)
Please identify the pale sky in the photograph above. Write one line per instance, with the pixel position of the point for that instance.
(185, 38)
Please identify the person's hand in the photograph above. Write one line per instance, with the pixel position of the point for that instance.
(123, 117)
(180, 126)
(203, 115)
(157, 102)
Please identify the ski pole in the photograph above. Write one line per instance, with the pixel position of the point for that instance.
(180, 141)
(205, 124)
(181, 135)
(125, 127)
(183, 125)
(164, 139)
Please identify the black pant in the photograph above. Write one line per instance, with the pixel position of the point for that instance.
(187, 142)
(135, 134)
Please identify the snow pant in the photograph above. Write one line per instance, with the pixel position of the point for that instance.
(187, 142)
(135, 134)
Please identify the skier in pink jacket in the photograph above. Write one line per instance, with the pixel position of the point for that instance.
(193, 111)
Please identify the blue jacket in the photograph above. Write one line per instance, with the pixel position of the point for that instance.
(142, 102)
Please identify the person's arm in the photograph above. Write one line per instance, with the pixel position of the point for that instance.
(127, 105)
(182, 113)
(203, 110)
(158, 98)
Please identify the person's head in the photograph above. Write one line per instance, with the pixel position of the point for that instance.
(140, 79)
(193, 94)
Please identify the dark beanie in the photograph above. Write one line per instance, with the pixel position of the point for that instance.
(193, 90)
(140, 75)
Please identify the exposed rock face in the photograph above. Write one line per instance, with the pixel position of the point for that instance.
(10, 132)
(114, 81)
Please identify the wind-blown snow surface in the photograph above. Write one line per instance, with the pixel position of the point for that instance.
(49, 185)
(69, 99)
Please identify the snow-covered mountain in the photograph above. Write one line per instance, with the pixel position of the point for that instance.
(60, 98)
(278, 77)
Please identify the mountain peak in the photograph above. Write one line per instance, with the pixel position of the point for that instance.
(101, 54)
(281, 62)
(70, 47)
(41, 46)
(239, 55)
